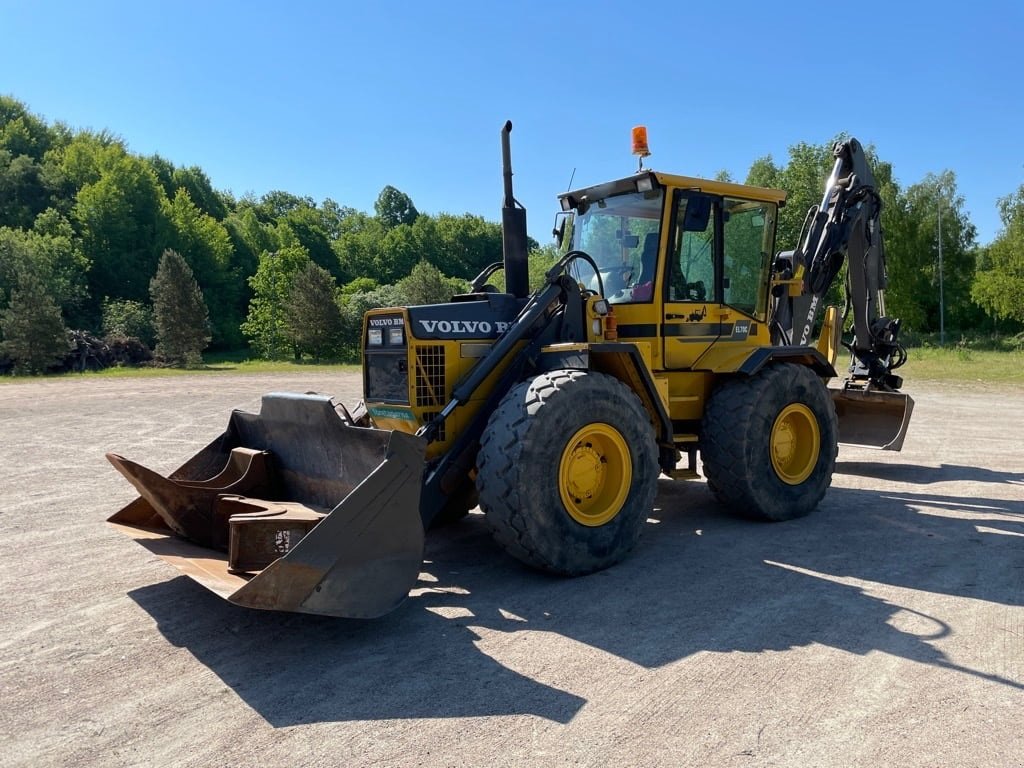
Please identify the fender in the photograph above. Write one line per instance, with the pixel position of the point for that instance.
(623, 361)
(808, 356)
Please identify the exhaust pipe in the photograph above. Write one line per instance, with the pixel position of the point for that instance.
(513, 228)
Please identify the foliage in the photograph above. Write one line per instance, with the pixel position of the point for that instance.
(34, 337)
(394, 207)
(539, 261)
(119, 217)
(206, 246)
(264, 326)
(51, 253)
(999, 282)
(179, 312)
(359, 285)
(86, 219)
(124, 318)
(312, 316)
(426, 285)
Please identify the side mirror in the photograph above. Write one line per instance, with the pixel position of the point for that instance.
(562, 223)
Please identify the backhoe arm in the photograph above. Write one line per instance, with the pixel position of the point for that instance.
(846, 226)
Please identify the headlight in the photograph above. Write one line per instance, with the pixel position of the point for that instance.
(375, 337)
(395, 337)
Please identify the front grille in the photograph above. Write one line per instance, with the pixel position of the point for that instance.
(430, 380)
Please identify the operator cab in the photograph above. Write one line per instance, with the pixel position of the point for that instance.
(719, 240)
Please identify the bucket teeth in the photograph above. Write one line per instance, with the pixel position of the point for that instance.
(188, 507)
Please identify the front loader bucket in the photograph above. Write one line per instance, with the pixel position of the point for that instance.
(871, 418)
(291, 509)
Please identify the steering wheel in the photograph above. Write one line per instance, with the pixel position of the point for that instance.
(618, 278)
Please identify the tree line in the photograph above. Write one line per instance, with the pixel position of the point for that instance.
(101, 242)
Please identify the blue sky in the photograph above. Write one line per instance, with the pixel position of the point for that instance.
(340, 99)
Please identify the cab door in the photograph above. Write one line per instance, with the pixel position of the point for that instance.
(692, 282)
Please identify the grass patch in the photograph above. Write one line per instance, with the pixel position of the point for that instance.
(948, 364)
(214, 364)
(961, 363)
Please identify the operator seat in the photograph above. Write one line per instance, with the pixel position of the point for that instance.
(644, 285)
(648, 259)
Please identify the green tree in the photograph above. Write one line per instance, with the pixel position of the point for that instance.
(358, 245)
(34, 336)
(128, 319)
(21, 132)
(24, 192)
(397, 254)
(206, 246)
(355, 305)
(359, 285)
(277, 203)
(120, 218)
(264, 326)
(179, 312)
(312, 315)
(466, 244)
(999, 282)
(52, 254)
(311, 228)
(425, 284)
(394, 207)
(913, 250)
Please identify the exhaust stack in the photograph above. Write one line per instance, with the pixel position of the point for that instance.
(513, 227)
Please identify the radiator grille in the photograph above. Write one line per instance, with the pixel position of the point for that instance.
(430, 380)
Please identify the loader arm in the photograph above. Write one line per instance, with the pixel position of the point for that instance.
(553, 314)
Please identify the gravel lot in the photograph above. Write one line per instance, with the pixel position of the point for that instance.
(885, 629)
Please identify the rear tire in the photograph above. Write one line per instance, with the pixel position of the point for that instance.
(567, 471)
(769, 443)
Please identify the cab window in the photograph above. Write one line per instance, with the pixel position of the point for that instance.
(692, 264)
(747, 229)
(621, 233)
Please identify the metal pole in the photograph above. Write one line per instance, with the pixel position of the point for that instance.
(942, 303)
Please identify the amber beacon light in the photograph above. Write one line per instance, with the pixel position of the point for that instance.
(640, 148)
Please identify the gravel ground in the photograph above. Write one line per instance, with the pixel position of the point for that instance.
(885, 629)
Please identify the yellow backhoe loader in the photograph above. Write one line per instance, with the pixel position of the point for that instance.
(669, 328)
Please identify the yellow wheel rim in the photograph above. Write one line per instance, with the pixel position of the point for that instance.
(795, 443)
(594, 474)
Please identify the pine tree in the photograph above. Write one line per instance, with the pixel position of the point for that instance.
(34, 336)
(312, 316)
(179, 312)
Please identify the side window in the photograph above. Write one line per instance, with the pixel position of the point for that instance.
(747, 227)
(692, 266)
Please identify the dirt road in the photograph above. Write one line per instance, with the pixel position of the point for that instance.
(885, 629)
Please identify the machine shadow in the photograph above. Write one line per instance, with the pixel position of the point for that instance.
(915, 473)
(700, 581)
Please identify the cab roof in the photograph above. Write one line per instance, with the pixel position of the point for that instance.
(629, 184)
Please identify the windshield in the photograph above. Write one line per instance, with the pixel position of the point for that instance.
(621, 234)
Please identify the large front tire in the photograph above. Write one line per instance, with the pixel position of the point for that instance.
(567, 471)
(769, 443)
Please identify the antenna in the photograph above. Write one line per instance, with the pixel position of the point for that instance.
(571, 177)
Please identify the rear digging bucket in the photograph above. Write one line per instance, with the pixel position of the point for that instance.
(873, 419)
(291, 509)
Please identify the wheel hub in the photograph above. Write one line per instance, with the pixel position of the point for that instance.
(795, 443)
(594, 474)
